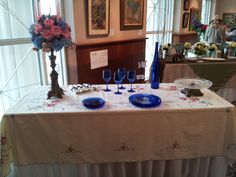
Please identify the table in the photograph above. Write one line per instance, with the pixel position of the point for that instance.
(44, 133)
(222, 74)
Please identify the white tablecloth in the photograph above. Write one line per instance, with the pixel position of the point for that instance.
(181, 70)
(41, 131)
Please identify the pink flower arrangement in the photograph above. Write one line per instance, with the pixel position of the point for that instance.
(50, 33)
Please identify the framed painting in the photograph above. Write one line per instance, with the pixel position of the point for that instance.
(98, 17)
(185, 20)
(229, 19)
(131, 14)
(194, 13)
(186, 4)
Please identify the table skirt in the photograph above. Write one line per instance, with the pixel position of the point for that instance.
(228, 93)
(200, 167)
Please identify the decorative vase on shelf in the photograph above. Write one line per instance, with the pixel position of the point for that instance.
(56, 90)
(155, 70)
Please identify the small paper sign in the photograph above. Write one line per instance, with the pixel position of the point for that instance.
(142, 64)
(140, 77)
(99, 59)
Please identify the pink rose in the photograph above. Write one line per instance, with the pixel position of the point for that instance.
(47, 34)
(66, 33)
(54, 17)
(68, 27)
(38, 28)
(204, 27)
(38, 18)
(56, 31)
(48, 22)
(59, 18)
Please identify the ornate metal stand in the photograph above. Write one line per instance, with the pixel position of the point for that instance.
(56, 91)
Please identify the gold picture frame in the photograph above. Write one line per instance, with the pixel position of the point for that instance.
(186, 5)
(194, 13)
(131, 14)
(185, 20)
(98, 16)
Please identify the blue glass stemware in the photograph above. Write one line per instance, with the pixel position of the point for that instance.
(117, 80)
(106, 74)
(122, 74)
(131, 75)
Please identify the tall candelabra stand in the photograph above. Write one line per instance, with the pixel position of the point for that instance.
(56, 90)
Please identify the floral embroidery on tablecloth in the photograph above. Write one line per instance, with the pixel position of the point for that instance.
(176, 145)
(52, 103)
(194, 99)
(173, 87)
(183, 98)
(3, 140)
(124, 147)
(70, 149)
(173, 147)
(4, 149)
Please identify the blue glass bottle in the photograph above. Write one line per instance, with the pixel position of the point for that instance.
(155, 70)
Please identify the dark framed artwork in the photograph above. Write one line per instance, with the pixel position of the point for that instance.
(98, 17)
(194, 13)
(229, 19)
(131, 14)
(186, 4)
(185, 20)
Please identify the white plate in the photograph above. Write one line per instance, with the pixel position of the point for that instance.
(193, 83)
(231, 57)
(213, 59)
(192, 58)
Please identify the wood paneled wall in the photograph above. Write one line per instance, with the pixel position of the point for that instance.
(126, 53)
(182, 38)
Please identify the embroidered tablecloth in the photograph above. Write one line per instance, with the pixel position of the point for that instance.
(37, 130)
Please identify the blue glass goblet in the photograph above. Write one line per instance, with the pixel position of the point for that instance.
(117, 80)
(122, 74)
(106, 75)
(131, 75)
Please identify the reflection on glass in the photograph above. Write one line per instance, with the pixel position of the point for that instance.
(106, 75)
(122, 74)
(117, 80)
(131, 78)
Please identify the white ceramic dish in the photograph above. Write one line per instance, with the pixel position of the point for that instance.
(231, 57)
(213, 59)
(193, 83)
(192, 58)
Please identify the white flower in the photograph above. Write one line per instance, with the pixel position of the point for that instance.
(232, 44)
(199, 48)
(166, 46)
(187, 45)
(212, 47)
